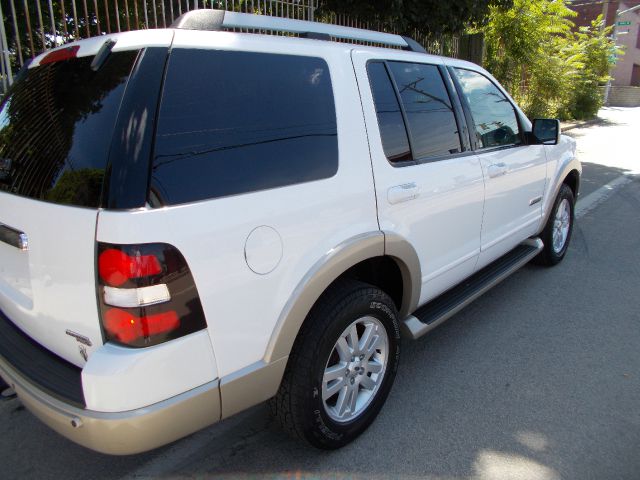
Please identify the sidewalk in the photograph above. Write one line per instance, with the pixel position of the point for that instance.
(571, 124)
(606, 116)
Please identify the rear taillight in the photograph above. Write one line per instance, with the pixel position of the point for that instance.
(147, 294)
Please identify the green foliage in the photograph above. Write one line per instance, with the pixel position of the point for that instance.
(550, 70)
(405, 16)
(77, 187)
(595, 48)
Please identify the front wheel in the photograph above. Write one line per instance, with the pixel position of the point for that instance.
(342, 366)
(557, 232)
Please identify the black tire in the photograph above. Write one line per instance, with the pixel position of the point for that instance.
(299, 405)
(549, 256)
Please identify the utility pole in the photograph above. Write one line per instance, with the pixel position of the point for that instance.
(614, 37)
(605, 12)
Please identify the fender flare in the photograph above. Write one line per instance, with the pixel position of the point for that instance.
(328, 268)
(406, 257)
(568, 166)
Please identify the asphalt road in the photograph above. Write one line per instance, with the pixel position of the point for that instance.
(608, 147)
(539, 379)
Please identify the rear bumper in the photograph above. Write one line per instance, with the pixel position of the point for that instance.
(120, 433)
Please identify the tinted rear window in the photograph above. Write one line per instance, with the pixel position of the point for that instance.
(56, 126)
(238, 122)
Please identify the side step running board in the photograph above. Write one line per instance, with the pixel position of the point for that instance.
(440, 309)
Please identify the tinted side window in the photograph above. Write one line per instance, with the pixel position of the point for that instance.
(237, 122)
(432, 123)
(495, 120)
(392, 129)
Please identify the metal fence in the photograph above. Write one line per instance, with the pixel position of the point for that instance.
(29, 27)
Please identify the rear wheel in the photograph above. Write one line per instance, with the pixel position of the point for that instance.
(342, 366)
(557, 232)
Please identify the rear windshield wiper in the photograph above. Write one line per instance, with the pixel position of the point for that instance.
(102, 55)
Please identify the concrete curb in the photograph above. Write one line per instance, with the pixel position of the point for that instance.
(566, 126)
(585, 204)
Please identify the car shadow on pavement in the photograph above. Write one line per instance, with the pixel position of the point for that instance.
(595, 175)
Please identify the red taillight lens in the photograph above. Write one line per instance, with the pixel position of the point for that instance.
(116, 267)
(127, 328)
(147, 294)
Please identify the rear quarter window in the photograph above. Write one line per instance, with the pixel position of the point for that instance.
(239, 122)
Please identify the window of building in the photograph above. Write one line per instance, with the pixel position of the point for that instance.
(635, 76)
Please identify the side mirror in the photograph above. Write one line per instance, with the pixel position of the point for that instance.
(546, 131)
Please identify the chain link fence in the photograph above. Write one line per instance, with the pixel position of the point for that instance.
(29, 27)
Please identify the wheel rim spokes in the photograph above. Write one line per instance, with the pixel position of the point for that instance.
(355, 369)
(561, 226)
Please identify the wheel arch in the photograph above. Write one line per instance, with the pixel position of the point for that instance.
(568, 171)
(402, 252)
(572, 179)
(357, 257)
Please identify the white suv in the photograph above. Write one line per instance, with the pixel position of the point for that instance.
(196, 220)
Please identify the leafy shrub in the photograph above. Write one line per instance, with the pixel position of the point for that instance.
(550, 70)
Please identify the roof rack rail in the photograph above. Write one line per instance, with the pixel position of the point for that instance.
(211, 19)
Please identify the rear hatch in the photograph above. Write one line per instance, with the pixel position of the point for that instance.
(56, 128)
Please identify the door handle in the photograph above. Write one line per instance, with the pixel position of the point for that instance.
(14, 237)
(497, 169)
(403, 193)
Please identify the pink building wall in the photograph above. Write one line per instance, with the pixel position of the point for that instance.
(623, 71)
(588, 10)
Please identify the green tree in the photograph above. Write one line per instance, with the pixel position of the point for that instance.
(405, 16)
(594, 47)
(522, 43)
(548, 68)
